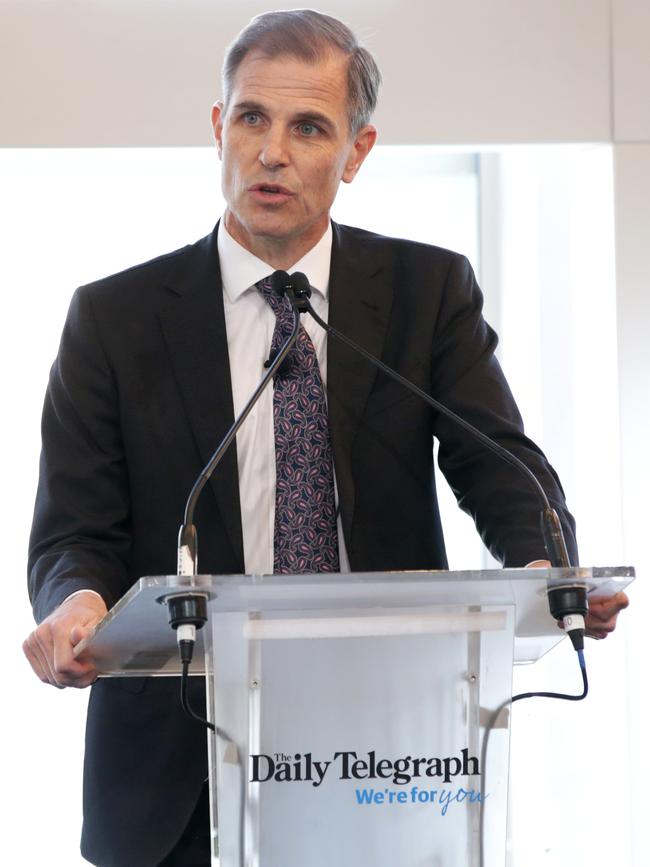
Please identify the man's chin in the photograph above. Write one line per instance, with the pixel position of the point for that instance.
(275, 236)
(265, 228)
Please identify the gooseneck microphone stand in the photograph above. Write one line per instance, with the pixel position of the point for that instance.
(567, 603)
(188, 611)
(187, 539)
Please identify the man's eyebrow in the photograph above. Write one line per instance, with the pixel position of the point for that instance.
(248, 105)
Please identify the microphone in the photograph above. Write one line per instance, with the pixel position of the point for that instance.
(567, 603)
(296, 291)
(296, 287)
(187, 560)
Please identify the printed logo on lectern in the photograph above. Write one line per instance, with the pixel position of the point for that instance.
(349, 765)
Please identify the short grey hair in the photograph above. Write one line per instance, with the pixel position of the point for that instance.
(309, 36)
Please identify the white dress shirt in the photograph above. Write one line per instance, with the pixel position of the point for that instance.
(250, 323)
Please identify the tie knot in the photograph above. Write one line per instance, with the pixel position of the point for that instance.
(278, 303)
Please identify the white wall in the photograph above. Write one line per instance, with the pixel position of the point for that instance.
(631, 125)
(632, 173)
(631, 70)
(145, 72)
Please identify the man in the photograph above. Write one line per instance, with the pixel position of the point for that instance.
(154, 363)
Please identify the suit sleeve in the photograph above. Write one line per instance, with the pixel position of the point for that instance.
(80, 535)
(467, 378)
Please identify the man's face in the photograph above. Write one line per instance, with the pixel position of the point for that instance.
(285, 143)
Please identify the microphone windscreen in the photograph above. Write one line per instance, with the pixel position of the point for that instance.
(300, 284)
(280, 282)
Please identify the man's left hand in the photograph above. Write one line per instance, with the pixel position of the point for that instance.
(601, 619)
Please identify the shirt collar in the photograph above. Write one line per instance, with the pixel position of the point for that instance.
(241, 270)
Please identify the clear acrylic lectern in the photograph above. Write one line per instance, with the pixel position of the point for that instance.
(351, 710)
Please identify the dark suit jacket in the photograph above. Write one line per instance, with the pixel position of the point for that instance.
(138, 398)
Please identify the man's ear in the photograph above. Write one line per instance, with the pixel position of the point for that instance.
(361, 147)
(217, 123)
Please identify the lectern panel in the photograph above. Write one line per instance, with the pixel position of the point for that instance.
(360, 749)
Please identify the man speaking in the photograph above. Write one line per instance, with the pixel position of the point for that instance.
(334, 469)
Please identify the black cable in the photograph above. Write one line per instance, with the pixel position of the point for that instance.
(492, 722)
(583, 694)
(186, 649)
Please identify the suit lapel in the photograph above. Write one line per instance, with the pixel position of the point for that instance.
(360, 303)
(194, 330)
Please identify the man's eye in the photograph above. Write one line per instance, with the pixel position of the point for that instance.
(251, 118)
(308, 129)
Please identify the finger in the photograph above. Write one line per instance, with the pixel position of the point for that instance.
(601, 626)
(69, 671)
(48, 671)
(80, 680)
(598, 634)
(605, 609)
(35, 659)
(78, 633)
(84, 658)
(85, 669)
(42, 647)
(602, 614)
(52, 652)
(50, 647)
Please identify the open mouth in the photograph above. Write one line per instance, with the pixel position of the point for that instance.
(271, 191)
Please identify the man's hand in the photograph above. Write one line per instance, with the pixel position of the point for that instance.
(601, 619)
(49, 648)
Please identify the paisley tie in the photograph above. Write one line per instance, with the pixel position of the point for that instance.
(305, 534)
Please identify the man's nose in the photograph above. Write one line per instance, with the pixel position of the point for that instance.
(274, 151)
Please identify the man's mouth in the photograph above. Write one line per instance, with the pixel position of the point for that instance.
(270, 192)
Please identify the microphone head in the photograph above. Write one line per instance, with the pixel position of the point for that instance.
(300, 285)
(280, 282)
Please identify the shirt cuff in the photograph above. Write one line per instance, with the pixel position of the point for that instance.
(77, 592)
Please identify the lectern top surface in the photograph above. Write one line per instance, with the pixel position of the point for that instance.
(135, 638)
(599, 577)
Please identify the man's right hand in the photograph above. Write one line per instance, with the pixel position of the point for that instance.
(49, 648)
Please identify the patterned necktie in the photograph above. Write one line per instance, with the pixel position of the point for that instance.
(305, 535)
